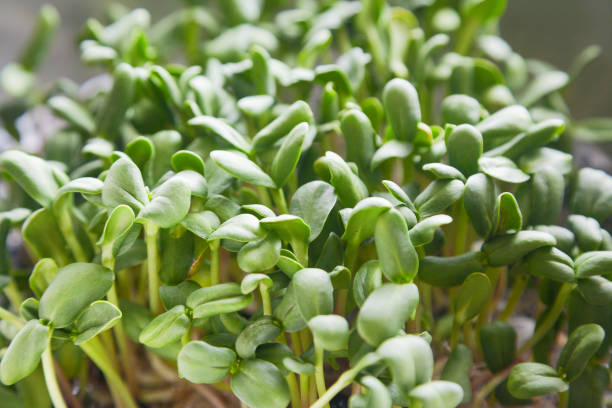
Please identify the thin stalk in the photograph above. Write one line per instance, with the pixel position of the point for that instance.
(264, 196)
(343, 381)
(214, 262)
(278, 196)
(563, 399)
(265, 300)
(11, 318)
(465, 36)
(350, 256)
(65, 223)
(518, 287)
(186, 338)
(319, 371)
(454, 338)
(490, 386)
(13, 295)
(92, 349)
(305, 384)
(50, 379)
(151, 235)
(550, 319)
(461, 229)
(294, 392)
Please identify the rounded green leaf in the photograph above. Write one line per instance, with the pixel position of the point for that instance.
(507, 249)
(201, 223)
(442, 171)
(538, 135)
(508, 217)
(529, 380)
(72, 112)
(449, 271)
(348, 186)
(410, 361)
(498, 342)
(551, 263)
(458, 109)
(593, 263)
(479, 199)
(331, 332)
(399, 260)
(504, 123)
(314, 292)
(258, 256)
(240, 166)
(393, 149)
(259, 384)
(242, 228)
(464, 147)
(596, 290)
(118, 223)
(187, 160)
(220, 306)
(281, 126)
(581, 345)
(313, 202)
(99, 316)
(375, 394)
(375, 323)
(23, 354)
(223, 130)
(140, 150)
(367, 279)
(124, 185)
(402, 108)
(42, 275)
(166, 328)
(362, 220)
(458, 369)
(169, 204)
(472, 296)
(587, 232)
(200, 362)
(436, 394)
(287, 157)
(71, 292)
(423, 232)
(252, 281)
(262, 330)
(359, 138)
(210, 293)
(437, 196)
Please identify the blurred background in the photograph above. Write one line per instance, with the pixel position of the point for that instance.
(552, 30)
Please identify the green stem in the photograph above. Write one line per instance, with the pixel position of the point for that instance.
(186, 337)
(264, 196)
(563, 399)
(65, 224)
(489, 387)
(518, 287)
(214, 262)
(151, 235)
(461, 229)
(92, 349)
(343, 381)
(550, 319)
(466, 36)
(50, 379)
(294, 392)
(278, 196)
(11, 318)
(265, 300)
(454, 338)
(319, 371)
(350, 256)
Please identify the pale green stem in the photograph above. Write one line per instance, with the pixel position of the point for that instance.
(294, 392)
(461, 231)
(65, 224)
(518, 287)
(186, 337)
(279, 199)
(265, 300)
(550, 319)
(93, 350)
(343, 381)
(489, 387)
(319, 371)
(214, 262)
(50, 379)
(563, 399)
(151, 234)
(264, 196)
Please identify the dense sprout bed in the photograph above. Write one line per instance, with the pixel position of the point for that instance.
(300, 203)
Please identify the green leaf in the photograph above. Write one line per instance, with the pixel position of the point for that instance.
(240, 166)
(551, 263)
(169, 204)
(166, 328)
(72, 112)
(436, 394)
(362, 220)
(71, 292)
(99, 316)
(367, 279)
(124, 185)
(437, 196)
(399, 194)
(534, 161)
(449, 271)
(201, 223)
(410, 361)
(538, 135)
(464, 147)
(587, 232)
(505, 123)
(23, 354)
(172, 296)
(508, 217)
(402, 108)
(348, 186)
(544, 198)
(331, 332)
(118, 223)
(289, 228)
(593, 263)
(38, 178)
(187, 160)
(423, 232)
(42, 234)
(508, 249)
(458, 369)
(259, 384)
(220, 306)
(223, 130)
(498, 341)
(471, 298)
(215, 292)
(503, 169)
(542, 85)
(393, 149)
(596, 290)
(359, 138)
(242, 228)
(280, 127)
(399, 260)
(581, 345)
(374, 322)
(479, 201)
(316, 293)
(117, 102)
(258, 256)
(443, 171)
(592, 196)
(313, 202)
(458, 109)
(252, 281)
(140, 150)
(255, 105)
(200, 362)
(42, 275)
(288, 313)
(529, 380)
(376, 395)
(260, 331)
(287, 157)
